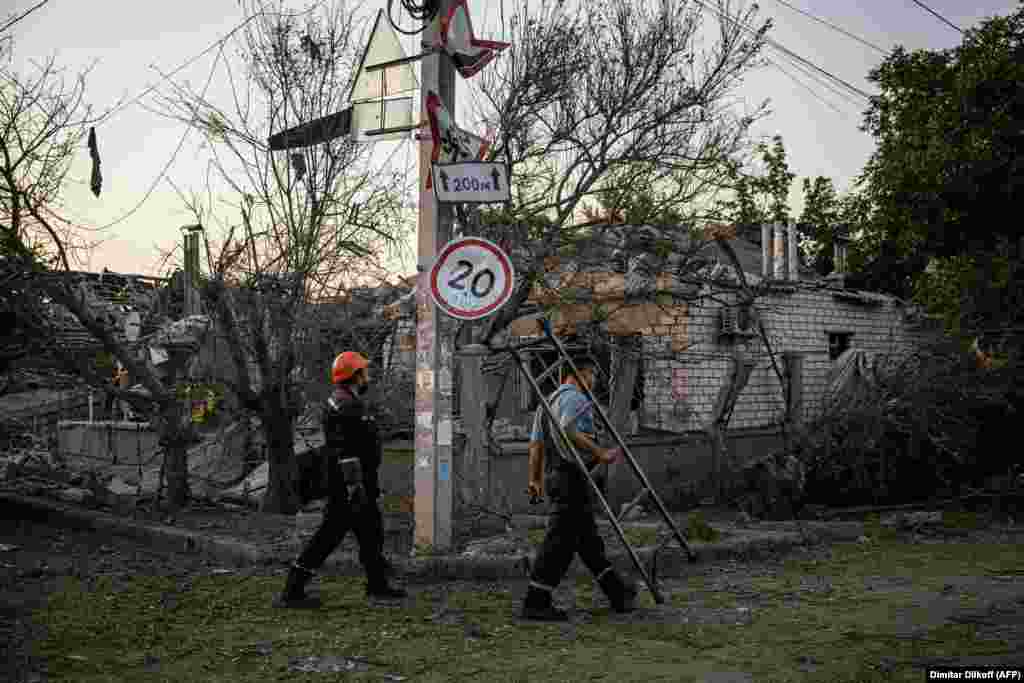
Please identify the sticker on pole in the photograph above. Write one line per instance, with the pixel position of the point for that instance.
(471, 182)
(471, 278)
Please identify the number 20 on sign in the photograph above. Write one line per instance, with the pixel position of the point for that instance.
(471, 278)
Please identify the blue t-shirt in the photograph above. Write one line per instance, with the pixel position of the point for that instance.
(574, 411)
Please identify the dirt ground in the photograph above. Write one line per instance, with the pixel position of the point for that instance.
(881, 608)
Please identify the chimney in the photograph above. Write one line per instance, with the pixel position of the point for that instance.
(192, 269)
(766, 251)
(794, 259)
(778, 253)
(841, 243)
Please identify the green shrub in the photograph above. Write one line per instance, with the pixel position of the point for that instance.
(926, 427)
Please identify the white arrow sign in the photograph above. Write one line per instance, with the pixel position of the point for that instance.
(477, 182)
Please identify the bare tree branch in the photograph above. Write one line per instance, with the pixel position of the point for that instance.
(302, 236)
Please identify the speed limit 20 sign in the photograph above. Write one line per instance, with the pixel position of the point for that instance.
(471, 278)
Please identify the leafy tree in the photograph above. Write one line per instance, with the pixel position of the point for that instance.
(762, 195)
(947, 174)
(631, 198)
(819, 222)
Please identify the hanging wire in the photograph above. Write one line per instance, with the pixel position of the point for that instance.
(779, 48)
(219, 43)
(810, 90)
(840, 29)
(936, 14)
(423, 12)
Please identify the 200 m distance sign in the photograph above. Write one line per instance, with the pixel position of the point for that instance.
(471, 278)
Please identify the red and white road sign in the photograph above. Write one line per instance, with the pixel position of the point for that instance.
(471, 278)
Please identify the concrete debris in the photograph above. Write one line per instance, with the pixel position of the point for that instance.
(251, 488)
(503, 545)
(34, 458)
(743, 519)
(328, 665)
(913, 520)
(119, 487)
(78, 496)
(220, 460)
(187, 332)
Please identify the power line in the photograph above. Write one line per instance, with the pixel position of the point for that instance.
(830, 75)
(809, 89)
(780, 48)
(834, 27)
(824, 82)
(174, 156)
(936, 14)
(192, 60)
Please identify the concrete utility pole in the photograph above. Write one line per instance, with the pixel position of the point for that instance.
(433, 462)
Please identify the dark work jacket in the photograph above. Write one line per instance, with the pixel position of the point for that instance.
(351, 432)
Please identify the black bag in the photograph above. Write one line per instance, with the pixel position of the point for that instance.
(314, 474)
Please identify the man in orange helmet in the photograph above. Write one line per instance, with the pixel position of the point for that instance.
(355, 452)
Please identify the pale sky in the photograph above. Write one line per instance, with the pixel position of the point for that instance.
(127, 39)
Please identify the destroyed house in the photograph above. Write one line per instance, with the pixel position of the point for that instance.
(673, 352)
(685, 347)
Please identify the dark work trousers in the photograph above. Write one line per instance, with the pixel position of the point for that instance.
(339, 519)
(571, 530)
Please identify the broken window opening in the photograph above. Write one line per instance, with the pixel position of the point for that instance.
(838, 344)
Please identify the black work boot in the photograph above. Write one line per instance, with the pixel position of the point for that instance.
(379, 589)
(621, 595)
(386, 567)
(537, 605)
(294, 594)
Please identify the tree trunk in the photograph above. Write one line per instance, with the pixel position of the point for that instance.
(282, 493)
(174, 438)
(717, 428)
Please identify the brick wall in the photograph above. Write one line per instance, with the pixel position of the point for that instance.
(400, 348)
(681, 387)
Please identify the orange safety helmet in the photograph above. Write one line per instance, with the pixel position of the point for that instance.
(346, 365)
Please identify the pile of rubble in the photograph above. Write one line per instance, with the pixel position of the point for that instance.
(30, 466)
(17, 380)
(21, 449)
(772, 487)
